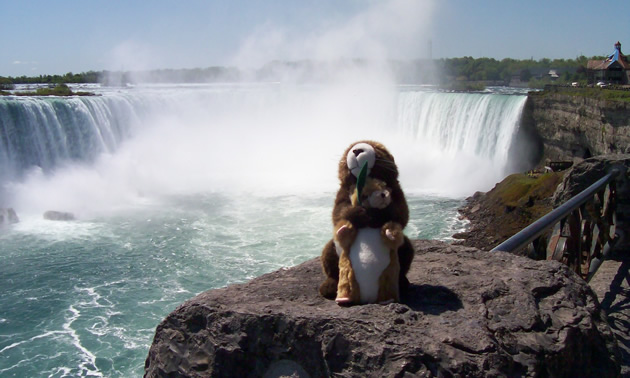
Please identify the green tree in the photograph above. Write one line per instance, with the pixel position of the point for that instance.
(6, 84)
(58, 90)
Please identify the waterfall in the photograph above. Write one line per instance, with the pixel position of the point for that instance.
(46, 132)
(476, 124)
(457, 143)
(191, 139)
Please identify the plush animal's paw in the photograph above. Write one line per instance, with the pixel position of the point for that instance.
(392, 235)
(344, 230)
(343, 301)
(345, 235)
(328, 288)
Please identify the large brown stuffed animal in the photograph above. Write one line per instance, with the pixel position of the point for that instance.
(368, 258)
(381, 166)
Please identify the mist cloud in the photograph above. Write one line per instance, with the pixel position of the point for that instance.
(131, 55)
(385, 30)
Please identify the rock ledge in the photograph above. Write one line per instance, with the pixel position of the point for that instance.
(469, 313)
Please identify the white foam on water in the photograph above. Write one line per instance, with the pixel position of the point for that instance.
(36, 225)
(88, 359)
(53, 335)
(19, 343)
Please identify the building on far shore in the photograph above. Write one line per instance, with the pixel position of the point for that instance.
(615, 69)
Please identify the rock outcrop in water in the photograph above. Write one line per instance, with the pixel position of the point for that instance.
(469, 313)
(8, 216)
(58, 215)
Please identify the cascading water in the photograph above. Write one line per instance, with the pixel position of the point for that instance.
(476, 124)
(180, 189)
(456, 143)
(439, 136)
(46, 132)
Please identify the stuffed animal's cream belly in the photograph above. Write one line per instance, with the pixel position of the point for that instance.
(369, 257)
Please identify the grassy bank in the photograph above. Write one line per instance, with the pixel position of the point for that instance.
(510, 206)
(607, 94)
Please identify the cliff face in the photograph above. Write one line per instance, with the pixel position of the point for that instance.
(571, 127)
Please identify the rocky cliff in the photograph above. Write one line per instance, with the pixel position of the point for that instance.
(582, 175)
(520, 199)
(566, 126)
(506, 209)
(469, 313)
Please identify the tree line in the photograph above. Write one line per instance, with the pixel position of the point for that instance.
(439, 71)
(488, 69)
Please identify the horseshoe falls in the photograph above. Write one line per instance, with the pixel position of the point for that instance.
(183, 188)
(43, 133)
(460, 142)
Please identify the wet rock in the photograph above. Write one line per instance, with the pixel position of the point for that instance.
(8, 216)
(468, 313)
(58, 216)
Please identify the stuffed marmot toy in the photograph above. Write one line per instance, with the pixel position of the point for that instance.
(381, 166)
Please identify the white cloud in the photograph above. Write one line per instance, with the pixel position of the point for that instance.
(24, 63)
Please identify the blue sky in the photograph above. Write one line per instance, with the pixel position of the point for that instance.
(55, 37)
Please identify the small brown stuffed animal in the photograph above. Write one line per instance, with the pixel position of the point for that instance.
(381, 166)
(368, 257)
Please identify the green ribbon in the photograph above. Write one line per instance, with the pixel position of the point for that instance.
(361, 181)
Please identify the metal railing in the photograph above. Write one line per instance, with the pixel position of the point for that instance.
(583, 229)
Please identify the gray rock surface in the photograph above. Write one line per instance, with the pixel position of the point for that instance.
(468, 313)
(611, 283)
(582, 175)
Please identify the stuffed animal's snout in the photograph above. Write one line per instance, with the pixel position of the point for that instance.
(358, 151)
(358, 155)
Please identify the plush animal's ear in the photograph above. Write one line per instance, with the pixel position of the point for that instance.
(381, 151)
(385, 167)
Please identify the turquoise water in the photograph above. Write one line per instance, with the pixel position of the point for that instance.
(83, 298)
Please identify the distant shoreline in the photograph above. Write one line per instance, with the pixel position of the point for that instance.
(60, 90)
